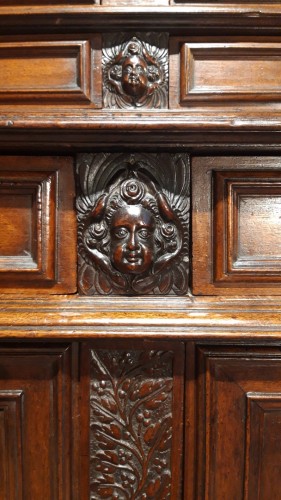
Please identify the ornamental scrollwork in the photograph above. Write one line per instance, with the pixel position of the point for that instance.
(130, 424)
(133, 231)
(135, 72)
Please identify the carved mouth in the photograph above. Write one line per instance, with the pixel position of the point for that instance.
(134, 80)
(133, 259)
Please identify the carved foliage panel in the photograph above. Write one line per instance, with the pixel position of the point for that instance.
(133, 216)
(135, 423)
(135, 70)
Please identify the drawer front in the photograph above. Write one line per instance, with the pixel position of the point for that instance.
(214, 73)
(236, 225)
(37, 225)
(40, 72)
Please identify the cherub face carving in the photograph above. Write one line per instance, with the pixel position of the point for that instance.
(134, 76)
(132, 240)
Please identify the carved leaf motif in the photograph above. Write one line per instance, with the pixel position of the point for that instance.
(130, 440)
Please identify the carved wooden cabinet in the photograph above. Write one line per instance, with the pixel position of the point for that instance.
(140, 254)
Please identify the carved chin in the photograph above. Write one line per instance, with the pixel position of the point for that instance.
(134, 89)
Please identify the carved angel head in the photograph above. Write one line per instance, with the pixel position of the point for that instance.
(133, 231)
(134, 74)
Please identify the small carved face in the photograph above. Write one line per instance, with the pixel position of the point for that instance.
(134, 76)
(132, 239)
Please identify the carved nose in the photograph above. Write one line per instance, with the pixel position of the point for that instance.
(132, 242)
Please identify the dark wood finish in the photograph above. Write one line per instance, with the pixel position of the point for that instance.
(11, 434)
(35, 428)
(133, 431)
(37, 225)
(239, 421)
(135, 71)
(133, 232)
(236, 225)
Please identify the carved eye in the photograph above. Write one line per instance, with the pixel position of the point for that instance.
(129, 69)
(144, 233)
(121, 232)
(139, 69)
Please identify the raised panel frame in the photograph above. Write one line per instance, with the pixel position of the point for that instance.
(235, 386)
(51, 70)
(50, 267)
(216, 184)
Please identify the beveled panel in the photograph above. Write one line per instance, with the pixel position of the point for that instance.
(36, 196)
(236, 225)
(43, 71)
(41, 377)
(216, 73)
(236, 432)
(263, 446)
(11, 426)
(132, 434)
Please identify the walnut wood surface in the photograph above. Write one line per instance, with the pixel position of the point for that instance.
(36, 202)
(35, 422)
(236, 230)
(239, 415)
(87, 409)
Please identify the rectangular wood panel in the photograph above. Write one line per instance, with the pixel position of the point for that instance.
(11, 433)
(239, 451)
(213, 72)
(35, 392)
(236, 225)
(43, 71)
(132, 420)
(37, 224)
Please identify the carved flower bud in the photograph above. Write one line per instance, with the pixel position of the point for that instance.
(132, 191)
(168, 231)
(97, 231)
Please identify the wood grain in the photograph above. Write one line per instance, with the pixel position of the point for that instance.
(36, 202)
(236, 225)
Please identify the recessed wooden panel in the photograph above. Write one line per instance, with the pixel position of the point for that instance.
(42, 375)
(37, 224)
(236, 225)
(58, 70)
(11, 426)
(214, 73)
(263, 446)
(239, 452)
(132, 431)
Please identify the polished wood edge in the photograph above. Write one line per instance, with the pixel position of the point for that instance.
(119, 317)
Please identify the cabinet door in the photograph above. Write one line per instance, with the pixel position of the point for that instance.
(132, 421)
(35, 422)
(239, 423)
